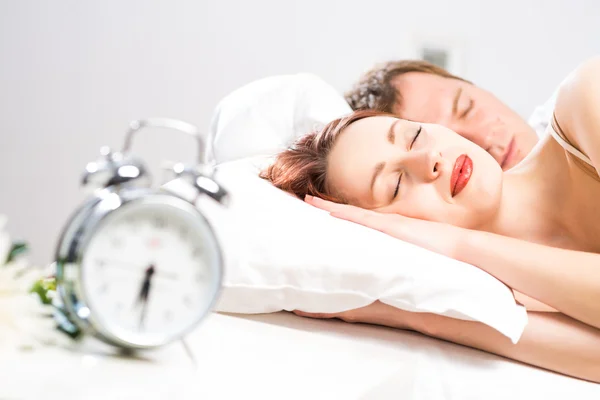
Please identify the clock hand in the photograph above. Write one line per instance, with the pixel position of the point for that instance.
(134, 267)
(145, 293)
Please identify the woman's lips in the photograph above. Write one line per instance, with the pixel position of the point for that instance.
(461, 173)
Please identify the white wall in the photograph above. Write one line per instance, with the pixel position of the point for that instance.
(73, 73)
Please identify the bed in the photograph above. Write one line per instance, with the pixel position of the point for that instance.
(282, 356)
(279, 355)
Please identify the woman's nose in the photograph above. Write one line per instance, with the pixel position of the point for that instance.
(425, 165)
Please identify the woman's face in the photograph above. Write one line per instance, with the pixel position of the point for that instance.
(418, 170)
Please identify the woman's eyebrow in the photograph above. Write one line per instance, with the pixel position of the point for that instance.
(376, 171)
(391, 135)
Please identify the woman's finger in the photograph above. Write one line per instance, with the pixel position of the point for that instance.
(324, 204)
(385, 223)
(314, 315)
(332, 206)
(318, 202)
(371, 219)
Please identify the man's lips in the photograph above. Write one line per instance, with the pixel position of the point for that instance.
(508, 156)
(461, 173)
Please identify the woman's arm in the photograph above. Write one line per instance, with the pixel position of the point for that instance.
(566, 280)
(551, 341)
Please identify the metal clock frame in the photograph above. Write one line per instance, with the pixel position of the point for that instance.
(118, 172)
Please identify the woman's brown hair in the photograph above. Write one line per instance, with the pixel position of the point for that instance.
(302, 169)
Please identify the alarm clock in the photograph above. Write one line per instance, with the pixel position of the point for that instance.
(139, 267)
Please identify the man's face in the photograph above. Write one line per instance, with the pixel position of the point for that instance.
(468, 110)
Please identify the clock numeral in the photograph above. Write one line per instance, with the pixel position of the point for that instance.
(102, 289)
(168, 316)
(131, 223)
(119, 307)
(183, 232)
(159, 222)
(197, 252)
(200, 277)
(187, 301)
(116, 242)
(100, 264)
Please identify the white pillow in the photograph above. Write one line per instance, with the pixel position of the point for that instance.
(288, 255)
(267, 115)
(542, 115)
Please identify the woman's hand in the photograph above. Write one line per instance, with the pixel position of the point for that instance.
(376, 313)
(434, 236)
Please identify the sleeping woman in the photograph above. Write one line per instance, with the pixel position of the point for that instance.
(535, 227)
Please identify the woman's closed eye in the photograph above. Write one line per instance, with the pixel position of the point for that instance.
(416, 136)
(400, 174)
(397, 186)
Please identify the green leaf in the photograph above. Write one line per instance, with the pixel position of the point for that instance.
(42, 291)
(17, 249)
(43, 287)
(66, 326)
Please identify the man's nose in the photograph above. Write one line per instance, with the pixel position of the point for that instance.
(489, 136)
(476, 133)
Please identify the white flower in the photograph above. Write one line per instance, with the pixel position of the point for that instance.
(5, 242)
(24, 321)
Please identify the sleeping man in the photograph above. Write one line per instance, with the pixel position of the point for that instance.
(419, 91)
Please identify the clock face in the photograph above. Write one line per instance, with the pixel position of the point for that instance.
(150, 272)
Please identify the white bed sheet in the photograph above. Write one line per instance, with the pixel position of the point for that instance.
(337, 360)
(281, 356)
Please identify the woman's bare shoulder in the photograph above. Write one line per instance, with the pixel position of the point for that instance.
(578, 108)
